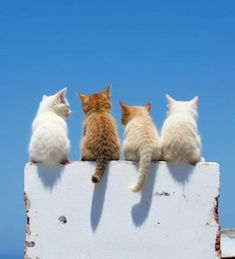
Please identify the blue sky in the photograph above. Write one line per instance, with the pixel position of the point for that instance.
(144, 48)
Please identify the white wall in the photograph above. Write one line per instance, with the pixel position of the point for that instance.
(174, 216)
(228, 243)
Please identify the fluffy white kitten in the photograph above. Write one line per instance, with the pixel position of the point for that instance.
(180, 138)
(142, 142)
(49, 142)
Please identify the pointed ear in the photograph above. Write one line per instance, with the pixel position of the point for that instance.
(124, 107)
(107, 90)
(170, 99)
(82, 96)
(44, 97)
(148, 107)
(194, 102)
(61, 94)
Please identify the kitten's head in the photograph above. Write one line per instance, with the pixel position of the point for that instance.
(56, 103)
(97, 102)
(130, 112)
(182, 106)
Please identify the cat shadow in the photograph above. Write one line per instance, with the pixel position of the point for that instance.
(179, 173)
(49, 175)
(140, 211)
(98, 200)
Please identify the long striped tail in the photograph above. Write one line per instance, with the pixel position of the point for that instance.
(99, 170)
(144, 166)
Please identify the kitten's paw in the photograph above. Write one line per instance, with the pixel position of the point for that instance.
(203, 159)
(64, 162)
(115, 158)
(83, 159)
(32, 162)
(193, 163)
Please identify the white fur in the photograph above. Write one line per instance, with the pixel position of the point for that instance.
(180, 139)
(49, 142)
(141, 143)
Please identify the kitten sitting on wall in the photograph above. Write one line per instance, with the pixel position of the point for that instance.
(181, 142)
(142, 142)
(100, 142)
(49, 143)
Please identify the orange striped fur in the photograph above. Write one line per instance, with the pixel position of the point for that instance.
(100, 142)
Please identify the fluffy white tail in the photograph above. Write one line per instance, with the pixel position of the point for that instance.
(144, 166)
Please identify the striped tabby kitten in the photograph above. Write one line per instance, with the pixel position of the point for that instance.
(142, 142)
(100, 142)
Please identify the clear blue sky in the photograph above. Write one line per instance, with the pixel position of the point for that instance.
(144, 48)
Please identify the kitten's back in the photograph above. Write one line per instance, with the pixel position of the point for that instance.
(180, 139)
(49, 143)
(142, 142)
(100, 141)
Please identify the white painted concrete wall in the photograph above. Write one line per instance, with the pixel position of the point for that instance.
(228, 243)
(71, 218)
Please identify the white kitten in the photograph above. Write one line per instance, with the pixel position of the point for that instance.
(49, 142)
(142, 142)
(180, 139)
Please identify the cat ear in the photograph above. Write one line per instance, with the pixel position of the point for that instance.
(107, 89)
(61, 95)
(194, 102)
(82, 96)
(148, 107)
(124, 107)
(170, 99)
(44, 97)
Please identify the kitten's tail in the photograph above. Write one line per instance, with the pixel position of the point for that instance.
(100, 168)
(144, 166)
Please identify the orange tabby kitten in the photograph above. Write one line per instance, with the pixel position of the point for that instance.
(100, 142)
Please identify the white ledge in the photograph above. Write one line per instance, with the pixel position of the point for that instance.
(228, 243)
(69, 217)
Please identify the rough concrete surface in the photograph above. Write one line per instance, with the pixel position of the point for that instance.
(175, 216)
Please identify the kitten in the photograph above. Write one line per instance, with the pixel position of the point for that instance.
(49, 142)
(142, 141)
(180, 138)
(100, 142)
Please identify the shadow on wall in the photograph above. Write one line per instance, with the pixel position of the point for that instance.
(98, 200)
(49, 176)
(140, 210)
(179, 173)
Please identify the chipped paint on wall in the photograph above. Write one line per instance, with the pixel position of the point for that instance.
(70, 217)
